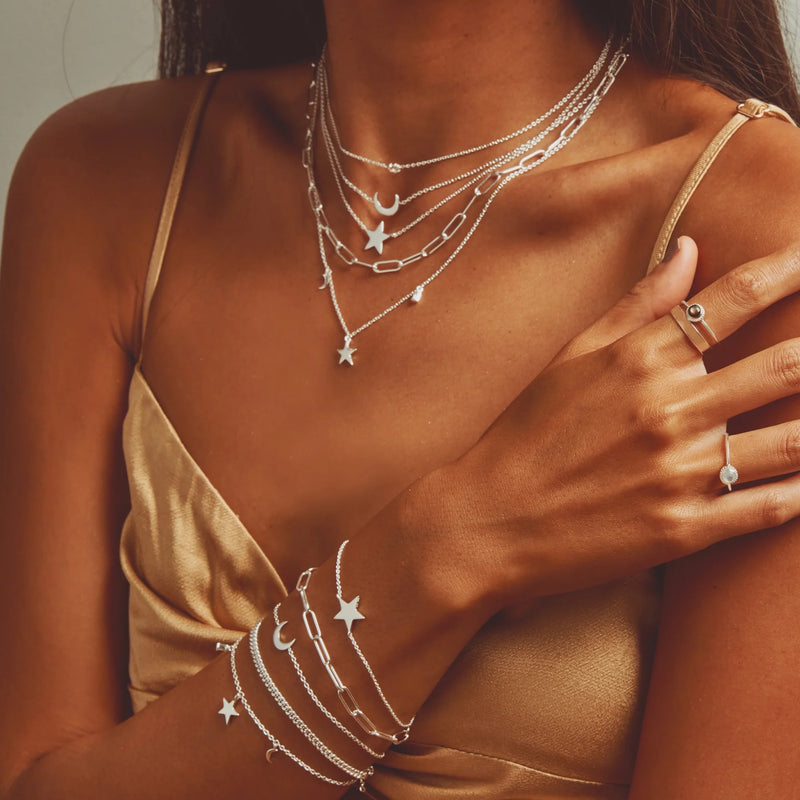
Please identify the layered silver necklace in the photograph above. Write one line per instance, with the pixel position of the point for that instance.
(486, 180)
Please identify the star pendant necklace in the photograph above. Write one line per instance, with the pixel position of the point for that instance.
(526, 164)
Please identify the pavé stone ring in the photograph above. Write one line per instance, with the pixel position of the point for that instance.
(691, 319)
(728, 474)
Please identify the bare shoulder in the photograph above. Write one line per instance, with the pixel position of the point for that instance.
(86, 191)
(723, 703)
(746, 206)
(91, 180)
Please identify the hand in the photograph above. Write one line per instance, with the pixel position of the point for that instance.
(608, 463)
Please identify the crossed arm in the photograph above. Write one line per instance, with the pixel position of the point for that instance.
(723, 700)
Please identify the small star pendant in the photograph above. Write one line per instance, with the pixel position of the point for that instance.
(346, 353)
(228, 710)
(349, 613)
(376, 238)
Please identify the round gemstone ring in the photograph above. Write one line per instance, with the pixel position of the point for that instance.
(728, 474)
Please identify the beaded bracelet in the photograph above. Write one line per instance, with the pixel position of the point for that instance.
(296, 720)
(228, 711)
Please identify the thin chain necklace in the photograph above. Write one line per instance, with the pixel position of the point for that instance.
(485, 182)
(333, 143)
(395, 167)
(377, 235)
(499, 179)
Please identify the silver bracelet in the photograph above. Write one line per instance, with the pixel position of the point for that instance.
(295, 718)
(345, 695)
(317, 702)
(349, 613)
(277, 746)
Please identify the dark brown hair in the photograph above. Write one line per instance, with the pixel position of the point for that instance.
(736, 46)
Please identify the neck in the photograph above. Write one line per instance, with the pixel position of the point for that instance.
(412, 78)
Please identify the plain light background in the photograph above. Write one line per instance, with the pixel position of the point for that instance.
(52, 51)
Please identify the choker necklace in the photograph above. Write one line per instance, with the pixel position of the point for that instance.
(488, 186)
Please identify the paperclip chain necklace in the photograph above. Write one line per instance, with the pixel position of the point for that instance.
(485, 182)
(479, 173)
(328, 124)
(498, 179)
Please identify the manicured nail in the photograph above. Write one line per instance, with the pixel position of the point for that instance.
(674, 246)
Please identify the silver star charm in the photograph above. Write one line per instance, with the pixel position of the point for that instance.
(346, 353)
(376, 238)
(349, 613)
(228, 710)
(326, 279)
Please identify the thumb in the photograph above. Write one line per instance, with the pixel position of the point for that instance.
(651, 298)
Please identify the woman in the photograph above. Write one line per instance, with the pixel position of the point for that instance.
(506, 458)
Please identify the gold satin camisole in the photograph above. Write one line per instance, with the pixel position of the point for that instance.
(544, 703)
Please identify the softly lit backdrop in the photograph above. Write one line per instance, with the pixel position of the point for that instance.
(52, 51)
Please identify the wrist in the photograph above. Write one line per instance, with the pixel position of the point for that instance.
(443, 551)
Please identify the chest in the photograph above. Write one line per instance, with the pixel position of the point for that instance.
(242, 349)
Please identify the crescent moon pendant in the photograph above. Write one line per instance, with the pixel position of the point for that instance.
(271, 752)
(278, 642)
(387, 212)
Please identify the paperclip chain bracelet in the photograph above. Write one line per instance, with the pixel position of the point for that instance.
(276, 744)
(345, 695)
(317, 702)
(294, 717)
(354, 643)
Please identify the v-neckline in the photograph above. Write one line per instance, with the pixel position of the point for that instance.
(228, 510)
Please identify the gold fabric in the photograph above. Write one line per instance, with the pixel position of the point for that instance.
(544, 703)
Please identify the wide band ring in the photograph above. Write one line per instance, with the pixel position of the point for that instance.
(691, 320)
(728, 474)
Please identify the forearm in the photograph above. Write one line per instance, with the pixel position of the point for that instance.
(418, 615)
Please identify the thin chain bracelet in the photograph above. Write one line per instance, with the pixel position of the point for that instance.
(345, 695)
(276, 744)
(353, 604)
(317, 702)
(297, 721)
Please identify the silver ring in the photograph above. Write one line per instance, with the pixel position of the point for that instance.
(696, 314)
(728, 474)
(696, 339)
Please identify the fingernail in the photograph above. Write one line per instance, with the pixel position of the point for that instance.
(674, 246)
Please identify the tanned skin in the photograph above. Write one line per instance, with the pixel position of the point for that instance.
(240, 352)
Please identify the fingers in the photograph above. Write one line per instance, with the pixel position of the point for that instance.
(766, 453)
(753, 509)
(648, 300)
(756, 380)
(744, 292)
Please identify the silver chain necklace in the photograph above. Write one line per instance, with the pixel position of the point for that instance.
(485, 182)
(328, 123)
(376, 236)
(395, 167)
(489, 187)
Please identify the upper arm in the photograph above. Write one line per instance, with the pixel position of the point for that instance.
(723, 707)
(68, 310)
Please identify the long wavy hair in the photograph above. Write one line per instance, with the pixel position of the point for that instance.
(736, 46)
